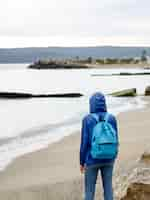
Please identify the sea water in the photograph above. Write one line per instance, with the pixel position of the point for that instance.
(31, 124)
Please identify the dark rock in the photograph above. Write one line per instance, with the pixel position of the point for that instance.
(58, 95)
(147, 91)
(125, 93)
(15, 95)
(145, 158)
(139, 180)
(138, 191)
(123, 74)
(44, 64)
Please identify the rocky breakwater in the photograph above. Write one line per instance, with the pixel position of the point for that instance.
(137, 186)
(49, 64)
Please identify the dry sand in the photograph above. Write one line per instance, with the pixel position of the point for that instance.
(53, 173)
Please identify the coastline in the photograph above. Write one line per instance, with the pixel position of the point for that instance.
(53, 173)
(98, 66)
(6, 66)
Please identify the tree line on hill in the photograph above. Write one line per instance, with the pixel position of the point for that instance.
(30, 55)
(128, 60)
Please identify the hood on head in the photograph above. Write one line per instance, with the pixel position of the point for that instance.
(97, 103)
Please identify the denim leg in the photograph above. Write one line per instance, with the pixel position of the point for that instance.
(106, 173)
(90, 182)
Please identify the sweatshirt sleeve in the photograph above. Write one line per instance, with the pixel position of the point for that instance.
(84, 141)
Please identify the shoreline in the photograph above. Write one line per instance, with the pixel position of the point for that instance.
(89, 66)
(35, 140)
(53, 172)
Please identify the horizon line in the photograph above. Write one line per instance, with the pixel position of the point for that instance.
(80, 46)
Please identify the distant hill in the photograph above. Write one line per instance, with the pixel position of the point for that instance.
(29, 55)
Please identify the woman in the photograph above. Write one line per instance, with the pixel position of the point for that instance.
(88, 165)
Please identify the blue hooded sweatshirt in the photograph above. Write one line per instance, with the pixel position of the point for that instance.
(98, 106)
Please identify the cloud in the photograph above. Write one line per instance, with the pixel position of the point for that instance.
(69, 18)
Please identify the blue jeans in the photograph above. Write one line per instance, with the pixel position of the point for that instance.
(91, 174)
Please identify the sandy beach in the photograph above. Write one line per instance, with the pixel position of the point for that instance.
(53, 173)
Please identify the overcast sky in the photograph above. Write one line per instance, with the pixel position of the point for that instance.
(74, 22)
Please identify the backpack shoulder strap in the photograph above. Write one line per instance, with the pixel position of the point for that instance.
(106, 117)
(96, 117)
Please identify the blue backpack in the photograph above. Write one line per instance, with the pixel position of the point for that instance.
(104, 139)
